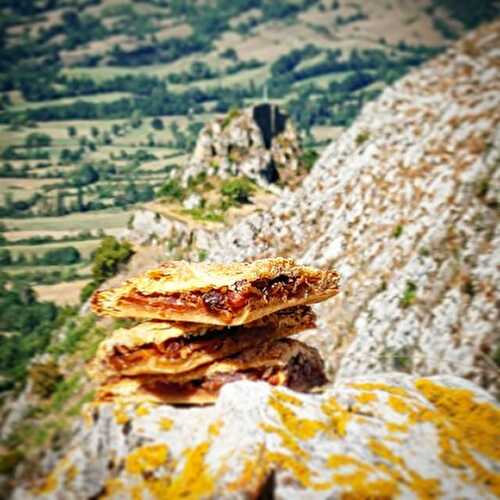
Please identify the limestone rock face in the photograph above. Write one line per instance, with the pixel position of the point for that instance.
(395, 436)
(405, 205)
(147, 226)
(259, 142)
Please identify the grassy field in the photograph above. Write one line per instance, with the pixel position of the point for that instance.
(82, 268)
(104, 97)
(106, 219)
(85, 247)
(61, 293)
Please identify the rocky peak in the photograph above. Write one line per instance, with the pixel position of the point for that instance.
(258, 142)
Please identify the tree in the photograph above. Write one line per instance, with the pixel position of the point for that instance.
(136, 119)
(108, 258)
(37, 140)
(106, 139)
(130, 193)
(61, 256)
(230, 54)
(238, 190)
(60, 207)
(72, 131)
(171, 190)
(85, 175)
(94, 131)
(5, 257)
(116, 129)
(157, 123)
(146, 193)
(80, 204)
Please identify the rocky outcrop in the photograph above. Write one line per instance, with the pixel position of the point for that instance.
(149, 227)
(360, 438)
(405, 205)
(258, 142)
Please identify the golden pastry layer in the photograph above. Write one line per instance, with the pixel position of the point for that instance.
(284, 362)
(169, 348)
(223, 294)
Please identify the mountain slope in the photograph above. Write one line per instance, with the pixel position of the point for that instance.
(405, 205)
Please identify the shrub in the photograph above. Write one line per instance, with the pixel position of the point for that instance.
(5, 257)
(398, 231)
(362, 137)
(409, 294)
(107, 259)
(231, 115)
(171, 190)
(38, 140)
(110, 254)
(61, 256)
(77, 330)
(308, 159)
(85, 175)
(9, 461)
(204, 215)
(157, 123)
(45, 377)
(238, 190)
(64, 390)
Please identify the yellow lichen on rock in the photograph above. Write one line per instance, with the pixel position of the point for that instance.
(166, 424)
(398, 404)
(253, 474)
(392, 427)
(424, 488)
(194, 481)
(358, 482)
(111, 487)
(301, 428)
(142, 411)
(157, 487)
(287, 441)
(377, 386)
(146, 459)
(361, 488)
(464, 427)
(286, 398)
(479, 423)
(120, 416)
(338, 416)
(379, 449)
(214, 428)
(49, 485)
(299, 470)
(366, 397)
(136, 492)
(70, 474)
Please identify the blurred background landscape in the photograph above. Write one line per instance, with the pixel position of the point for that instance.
(102, 101)
(110, 108)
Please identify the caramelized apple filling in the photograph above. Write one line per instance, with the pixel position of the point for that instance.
(228, 302)
(299, 374)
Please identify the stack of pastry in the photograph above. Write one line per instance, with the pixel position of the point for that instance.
(204, 325)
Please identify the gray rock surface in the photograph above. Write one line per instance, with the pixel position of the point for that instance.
(405, 205)
(393, 436)
(259, 142)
